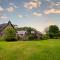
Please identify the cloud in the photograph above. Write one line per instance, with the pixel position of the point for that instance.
(37, 14)
(32, 4)
(20, 16)
(50, 11)
(3, 17)
(57, 4)
(52, 4)
(48, 0)
(10, 9)
(12, 4)
(1, 9)
(15, 6)
(52, 8)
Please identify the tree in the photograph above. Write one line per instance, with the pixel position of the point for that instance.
(53, 31)
(10, 34)
(32, 37)
(28, 29)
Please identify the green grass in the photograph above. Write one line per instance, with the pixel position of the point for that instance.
(30, 50)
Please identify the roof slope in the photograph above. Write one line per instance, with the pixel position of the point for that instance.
(3, 26)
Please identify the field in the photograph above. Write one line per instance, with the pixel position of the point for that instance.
(30, 50)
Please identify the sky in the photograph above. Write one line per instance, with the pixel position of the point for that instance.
(38, 14)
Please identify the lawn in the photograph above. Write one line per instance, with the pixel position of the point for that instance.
(30, 50)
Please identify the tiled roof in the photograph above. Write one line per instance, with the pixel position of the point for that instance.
(2, 26)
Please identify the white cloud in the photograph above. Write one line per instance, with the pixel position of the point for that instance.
(3, 17)
(57, 3)
(15, 6)
(37, 14)
(20, 16)
(48, 0)
(52, 4)
(1, 9)
(50, 11)
(10, 9)
(32, 4)
(12, 4)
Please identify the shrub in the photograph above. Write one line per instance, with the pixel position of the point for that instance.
(32, 37)
(10, 34)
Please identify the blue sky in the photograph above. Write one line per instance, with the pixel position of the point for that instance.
(33, 13)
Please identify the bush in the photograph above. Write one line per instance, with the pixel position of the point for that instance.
(32, 37)
(45, 37)
(10, 34)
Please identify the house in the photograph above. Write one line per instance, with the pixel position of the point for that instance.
(4, 26)
(19, 33)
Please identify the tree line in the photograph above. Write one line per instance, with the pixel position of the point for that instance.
(51, 32)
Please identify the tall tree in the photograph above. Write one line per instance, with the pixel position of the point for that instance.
(53, 31)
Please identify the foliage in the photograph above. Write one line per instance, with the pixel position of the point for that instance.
(1, 38)
(53, 31)
(25, 28)
(29, 35)
(45, 37)
(32, 37)
(28, 29)
(10, 34)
